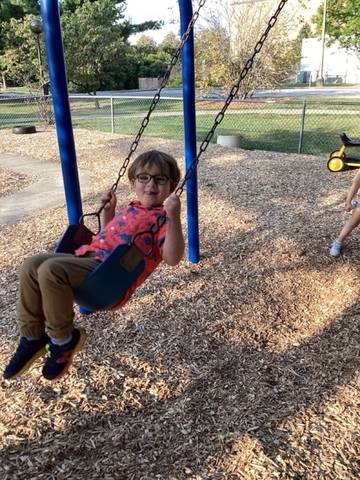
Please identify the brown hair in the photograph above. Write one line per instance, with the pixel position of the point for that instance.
(166, 164)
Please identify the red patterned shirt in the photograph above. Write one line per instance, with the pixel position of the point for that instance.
(127, 222)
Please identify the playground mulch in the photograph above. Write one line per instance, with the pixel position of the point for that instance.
(242, 366)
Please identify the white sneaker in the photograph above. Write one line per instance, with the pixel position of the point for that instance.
(336, 248)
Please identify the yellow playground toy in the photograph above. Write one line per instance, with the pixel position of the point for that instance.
(338, 160)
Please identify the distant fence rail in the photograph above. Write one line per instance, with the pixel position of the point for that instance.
(308, 127)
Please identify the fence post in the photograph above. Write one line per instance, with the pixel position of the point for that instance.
(302, 126)
(112, 115)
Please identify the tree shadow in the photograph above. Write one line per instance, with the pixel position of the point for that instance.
(218, 357)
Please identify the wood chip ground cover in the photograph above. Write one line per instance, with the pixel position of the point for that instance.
(242, 366)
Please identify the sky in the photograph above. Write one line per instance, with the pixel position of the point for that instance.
(144, 10)
(167, 10)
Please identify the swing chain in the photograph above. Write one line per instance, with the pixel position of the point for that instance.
(233, 92)
(218, 119)
(156, 98)
(154, 228)
(152, 107)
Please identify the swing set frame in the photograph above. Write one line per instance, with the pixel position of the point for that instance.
(128, 259)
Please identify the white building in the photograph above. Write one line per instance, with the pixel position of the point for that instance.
(340, 65)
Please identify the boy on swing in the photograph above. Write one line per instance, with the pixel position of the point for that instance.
(47, 280)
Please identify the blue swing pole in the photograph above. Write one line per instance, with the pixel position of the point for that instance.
(188, 75)
(58, 82)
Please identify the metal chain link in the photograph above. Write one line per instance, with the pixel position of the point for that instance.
(218, 119)
(152, 107)
(233, 92)
(156, 98)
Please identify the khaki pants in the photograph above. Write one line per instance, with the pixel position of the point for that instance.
(46, 298)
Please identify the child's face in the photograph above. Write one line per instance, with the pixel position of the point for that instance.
(151, 194)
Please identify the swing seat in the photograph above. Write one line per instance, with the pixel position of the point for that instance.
(73, 238)
(111, 279)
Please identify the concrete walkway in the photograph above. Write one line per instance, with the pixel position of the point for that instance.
(46, 191)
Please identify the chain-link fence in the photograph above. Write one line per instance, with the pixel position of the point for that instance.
(309, 127)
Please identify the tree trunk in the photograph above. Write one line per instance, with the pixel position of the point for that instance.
(97, 103)
(4, 86)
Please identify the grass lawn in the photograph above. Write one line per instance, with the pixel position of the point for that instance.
(272, 126)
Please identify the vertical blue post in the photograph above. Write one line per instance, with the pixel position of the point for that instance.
(58, 83)
(188, 75)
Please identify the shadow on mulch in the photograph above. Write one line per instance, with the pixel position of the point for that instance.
(245, 365)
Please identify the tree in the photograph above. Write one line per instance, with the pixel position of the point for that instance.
(95, 38)
(213, 59)
(91, 41)
(13, 10)
(96, 42)
(235, 33)
(17, 9)
(304, 32)
(169, 44)
(146, 45)
(127, 28)
(19, 60)
(154, 64)
(70, 6)
(342, 23)
(122, 73)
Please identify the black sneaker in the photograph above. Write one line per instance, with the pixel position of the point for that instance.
(25, 355)
(60, 357)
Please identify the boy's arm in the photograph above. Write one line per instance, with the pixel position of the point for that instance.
(174, 245)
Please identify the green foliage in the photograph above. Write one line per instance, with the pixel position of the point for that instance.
(20, 59)
(150, 60)
(126, 28)
(96, 44)
(154, 64)
(146, 45)
(145, 26)
(92, 42)
(70, 6)
(342, 23)
(213, 58)
(16, 10)
(169, 44)
(122, 73)
(175, 81)
(305, 32)
(98, 54)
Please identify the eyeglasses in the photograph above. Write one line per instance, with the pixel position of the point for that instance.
(146, 178)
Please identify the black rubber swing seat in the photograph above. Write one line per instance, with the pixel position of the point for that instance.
(111, 278)
(24, 129)
(348, 142)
